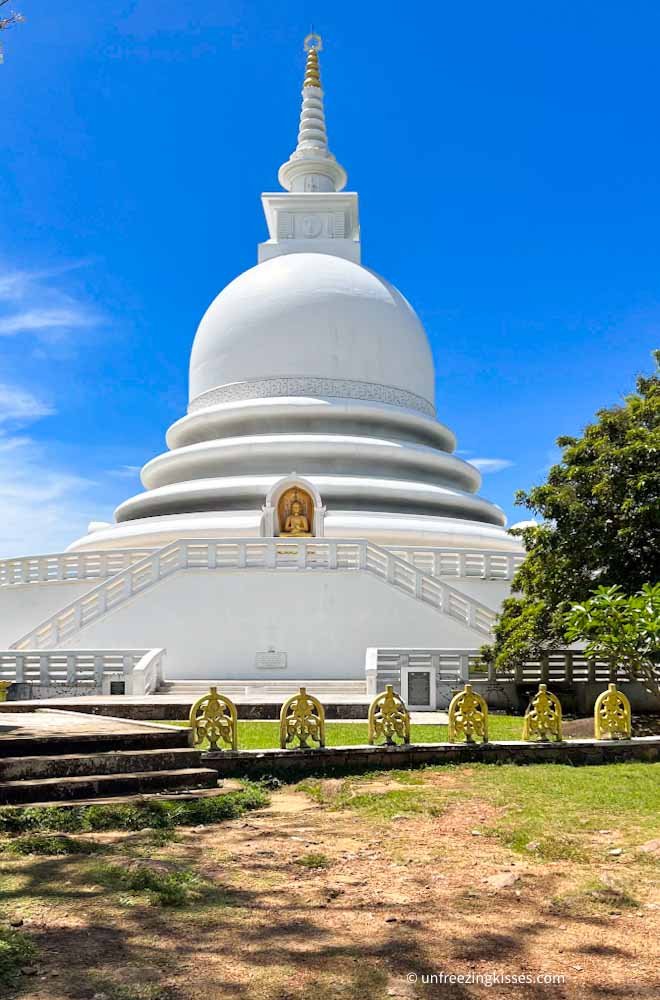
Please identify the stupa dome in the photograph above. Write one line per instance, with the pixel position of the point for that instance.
(312, 315)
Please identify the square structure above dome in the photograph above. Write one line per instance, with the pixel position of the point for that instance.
(311, 222)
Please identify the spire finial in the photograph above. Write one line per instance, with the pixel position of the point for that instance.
(312, 167)
(312, 69)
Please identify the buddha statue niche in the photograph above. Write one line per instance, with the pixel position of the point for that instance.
(295, 522)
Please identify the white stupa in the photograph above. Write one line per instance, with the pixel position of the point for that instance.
(310, 364)
(310, 444)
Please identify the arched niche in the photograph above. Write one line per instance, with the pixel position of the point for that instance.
(280, 499)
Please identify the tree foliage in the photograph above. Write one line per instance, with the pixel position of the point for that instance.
(599, 525)
(623, 630)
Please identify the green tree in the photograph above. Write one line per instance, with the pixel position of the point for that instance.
(599, 525)
(623, 630)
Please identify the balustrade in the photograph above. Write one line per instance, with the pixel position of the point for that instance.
(83, 669)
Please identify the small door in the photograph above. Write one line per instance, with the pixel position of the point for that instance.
(418, 688)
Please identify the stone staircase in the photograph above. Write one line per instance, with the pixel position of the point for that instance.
(254, 691)
(69, 768)
(294, 555)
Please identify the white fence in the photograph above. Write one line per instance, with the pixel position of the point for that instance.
(566, 666)
(384, 665)
(67, 566)
(462, 563)
(458, 563)
(84, 671)
(554, 666)
(267, 553)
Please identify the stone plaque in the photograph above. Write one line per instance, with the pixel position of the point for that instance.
(270, 660)
(419, 687)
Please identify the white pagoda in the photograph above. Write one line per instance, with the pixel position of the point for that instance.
(310, 506)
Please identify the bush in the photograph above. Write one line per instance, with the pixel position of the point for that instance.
(53, 844)
(156, 813)
(16, 950)
(170, 888)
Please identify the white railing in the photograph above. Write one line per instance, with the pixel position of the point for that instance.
(267, 553)
(553, 667)
(146, 675)
(67, 566)
(384, 664)
(89, 671)
(566, 666)
(435, 592)
(461, 563)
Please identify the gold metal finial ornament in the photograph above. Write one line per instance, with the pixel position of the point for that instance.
(389, 718)
(468, 717)
(214, 718)
(313, 42)
(543, 717)
(302, 718)
(612, 717)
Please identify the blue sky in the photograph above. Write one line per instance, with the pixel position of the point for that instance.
(506, 158)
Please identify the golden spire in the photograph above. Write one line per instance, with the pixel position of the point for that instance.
(311, 166)
(313, 45)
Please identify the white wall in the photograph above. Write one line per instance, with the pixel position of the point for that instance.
(489, 592)
(24, 605)
(213, 624)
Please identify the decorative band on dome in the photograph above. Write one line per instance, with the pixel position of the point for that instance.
(342, 388)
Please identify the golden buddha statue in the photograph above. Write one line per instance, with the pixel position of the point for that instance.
(297, 523)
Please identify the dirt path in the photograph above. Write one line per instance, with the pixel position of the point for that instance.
(391, 902)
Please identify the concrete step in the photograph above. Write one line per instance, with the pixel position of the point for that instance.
(176, 795)
(51, 745)
(197, 688)
(94, 763)
(104, 785)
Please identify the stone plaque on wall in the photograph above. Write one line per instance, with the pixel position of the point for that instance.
(270, 660)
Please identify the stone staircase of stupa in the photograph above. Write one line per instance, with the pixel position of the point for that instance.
(81, 758)
(292, 555)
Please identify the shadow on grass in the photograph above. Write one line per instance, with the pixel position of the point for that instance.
(272, 942)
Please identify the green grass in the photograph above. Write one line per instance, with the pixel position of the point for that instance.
(178, 887)
(415, 797)
(561, 807)
(16, 952)
(313, 860)
(114, 991)
(49, 845)
(161, 814)
(265, 735)
(554, 809)
(593, 899)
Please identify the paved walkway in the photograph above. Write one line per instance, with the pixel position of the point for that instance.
(46, 722)
(41, 721)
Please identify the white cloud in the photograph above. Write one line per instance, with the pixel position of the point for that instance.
(42, 507)
(31, 302)
(125, 472)
(39, 320)
(489, 465)
(17, 404)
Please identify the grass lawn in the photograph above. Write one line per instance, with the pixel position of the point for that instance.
(564, 811)
(348, 887)
(264, 735)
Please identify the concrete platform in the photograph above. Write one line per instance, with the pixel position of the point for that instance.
(162, 707)
(44, 719)
(177, 707)
(53, 756)
(291, 765)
